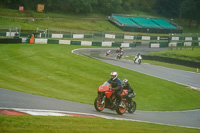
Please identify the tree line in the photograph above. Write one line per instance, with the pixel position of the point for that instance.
(187, 9)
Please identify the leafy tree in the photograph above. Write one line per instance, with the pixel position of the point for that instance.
(57, 5)
(168, 8)
(197, 13)
(109, 6)
(190, 10)
(82, 6)
(145, 5)
(127, 5)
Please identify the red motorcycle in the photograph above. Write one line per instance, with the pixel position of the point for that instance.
(107, 99)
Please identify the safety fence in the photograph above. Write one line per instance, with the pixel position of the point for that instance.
(99, 39)
(82, 43)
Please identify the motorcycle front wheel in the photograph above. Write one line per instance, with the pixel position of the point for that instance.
(134, 60)
(99, 106)
(132, 108)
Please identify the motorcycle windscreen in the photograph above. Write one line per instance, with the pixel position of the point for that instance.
(103, 88)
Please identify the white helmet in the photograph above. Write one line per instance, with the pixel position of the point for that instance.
(113, 75)
(124, 82)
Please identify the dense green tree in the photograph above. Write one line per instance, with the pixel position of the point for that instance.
(190, 10)
(168, 8)
(57, 5)
(197, 13)
(109, 6)
(127, 5)
(82, 6)
(144, 5)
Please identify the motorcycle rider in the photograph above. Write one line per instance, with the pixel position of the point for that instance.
(108, 53)
(138, 56)
(119, 50)
(127, 86)
(116, 85)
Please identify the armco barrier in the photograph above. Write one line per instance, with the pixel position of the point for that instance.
(96, 43)
(172, 60)
(173, 40)
(53, 41)
(82, 43)
(10, 40)
(2, 34)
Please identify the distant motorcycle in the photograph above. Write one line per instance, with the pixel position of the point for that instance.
(108, 53)
(107, 99)
(138, 59)
(119, 55)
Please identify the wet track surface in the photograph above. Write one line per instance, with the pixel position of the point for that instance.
(186, 78)
(191, 119)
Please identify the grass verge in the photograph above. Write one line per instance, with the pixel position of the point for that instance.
(185, 53)
(44, 124)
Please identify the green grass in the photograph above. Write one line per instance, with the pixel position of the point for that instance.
(180, 67)
(61, 25)
(55, 21)
(53, 71)
(184, 54)
(11, 13)
(43, 124)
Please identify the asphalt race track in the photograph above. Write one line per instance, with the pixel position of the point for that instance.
(186, 78)
(190, 119)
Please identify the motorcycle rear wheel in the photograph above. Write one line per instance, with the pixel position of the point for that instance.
(132, 108)
(121, 110)
(98, 104)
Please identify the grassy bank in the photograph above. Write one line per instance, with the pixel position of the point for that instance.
(184, 54)
(42, 124)
(63, 22)
(53, 71)
(55, 21)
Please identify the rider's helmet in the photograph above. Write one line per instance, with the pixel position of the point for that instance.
(125, 82)
(113, 75)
